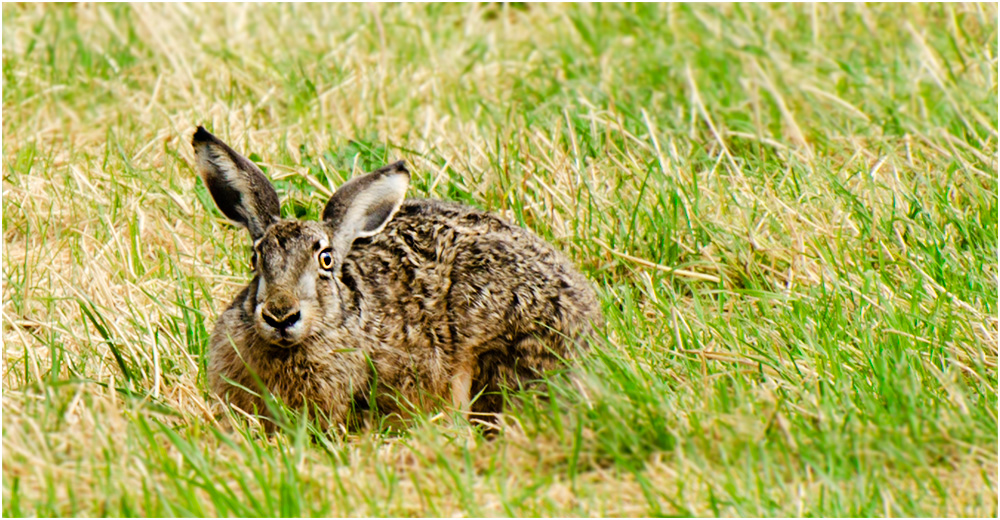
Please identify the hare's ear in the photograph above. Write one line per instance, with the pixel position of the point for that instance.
(363, 206)
(240, 189)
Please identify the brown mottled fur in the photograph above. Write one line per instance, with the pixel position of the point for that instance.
(441, 305)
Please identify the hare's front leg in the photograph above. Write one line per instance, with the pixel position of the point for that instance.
(461, 388)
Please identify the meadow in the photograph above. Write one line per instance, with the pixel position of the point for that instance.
(789, 213)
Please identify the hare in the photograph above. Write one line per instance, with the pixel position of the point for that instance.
(416, 303)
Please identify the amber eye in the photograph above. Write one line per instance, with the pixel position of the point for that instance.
(253, 261)
(326, 259)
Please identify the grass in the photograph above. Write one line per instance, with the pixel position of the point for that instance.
(789, 211)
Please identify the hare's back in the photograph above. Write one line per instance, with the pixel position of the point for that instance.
(465, 276)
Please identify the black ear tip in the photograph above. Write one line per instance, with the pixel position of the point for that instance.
(202, 136)
(399, 166)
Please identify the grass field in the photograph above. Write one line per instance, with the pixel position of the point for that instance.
(789, 212)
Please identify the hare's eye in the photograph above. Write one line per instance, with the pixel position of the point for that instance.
(253, 261)
(326, 259)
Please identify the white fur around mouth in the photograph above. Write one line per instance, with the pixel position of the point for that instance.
(288, 338)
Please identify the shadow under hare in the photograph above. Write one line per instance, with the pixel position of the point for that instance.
(417, 303)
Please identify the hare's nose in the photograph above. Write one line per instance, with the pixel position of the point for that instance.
(279, 316)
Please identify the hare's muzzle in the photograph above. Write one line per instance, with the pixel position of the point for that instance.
(282, 315)
(280, 319)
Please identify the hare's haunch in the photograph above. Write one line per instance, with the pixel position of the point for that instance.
(413, 302)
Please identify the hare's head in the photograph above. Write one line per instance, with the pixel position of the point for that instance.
(295, 262)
